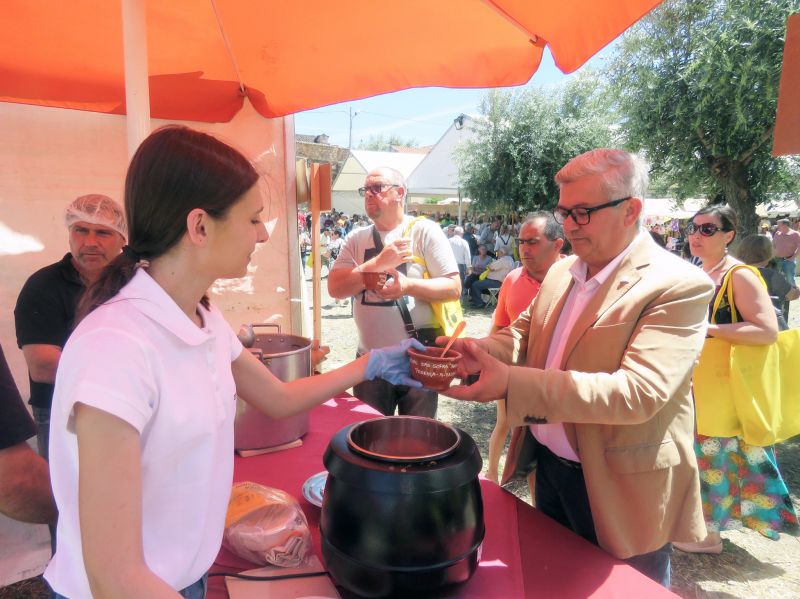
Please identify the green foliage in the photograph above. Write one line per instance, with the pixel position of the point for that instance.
(697, 81)
(384, 144)
(524, 138)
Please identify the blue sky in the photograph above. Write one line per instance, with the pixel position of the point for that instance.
(423, 114)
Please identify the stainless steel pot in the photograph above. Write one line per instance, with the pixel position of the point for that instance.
(288, 357)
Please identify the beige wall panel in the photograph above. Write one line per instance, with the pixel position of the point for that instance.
(50, 156)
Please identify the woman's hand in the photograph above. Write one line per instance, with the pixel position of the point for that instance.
(392, 363)
(318, 353)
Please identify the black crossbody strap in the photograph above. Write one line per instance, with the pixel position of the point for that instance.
(401, 303)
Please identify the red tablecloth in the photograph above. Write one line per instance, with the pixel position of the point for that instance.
(524, 553)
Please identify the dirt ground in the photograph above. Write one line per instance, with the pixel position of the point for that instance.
(750, 567)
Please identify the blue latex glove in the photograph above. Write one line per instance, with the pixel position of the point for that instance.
(391, 363)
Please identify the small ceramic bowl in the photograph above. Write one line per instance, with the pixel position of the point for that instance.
(373, 280)
(431, 369)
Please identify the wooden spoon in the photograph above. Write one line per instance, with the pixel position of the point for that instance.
(459, 327)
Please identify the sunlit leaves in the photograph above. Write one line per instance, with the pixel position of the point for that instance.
(697, 82)
(526, 137)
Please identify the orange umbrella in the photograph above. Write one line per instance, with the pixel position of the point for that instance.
(787, 120)
(203, 58)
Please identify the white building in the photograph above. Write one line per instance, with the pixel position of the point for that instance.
(437, 174)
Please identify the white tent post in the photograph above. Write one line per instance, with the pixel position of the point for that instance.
(460, 222)
(137, 85)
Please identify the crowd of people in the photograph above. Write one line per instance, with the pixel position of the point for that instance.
(476, 244)
(595, 334)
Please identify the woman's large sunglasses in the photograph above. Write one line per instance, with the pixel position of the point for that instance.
(706, 229)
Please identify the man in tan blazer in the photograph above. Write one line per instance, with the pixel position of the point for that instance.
(598, 371)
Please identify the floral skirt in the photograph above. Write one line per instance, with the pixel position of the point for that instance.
(741, 486)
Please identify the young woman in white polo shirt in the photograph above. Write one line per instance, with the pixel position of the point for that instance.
(142, 423)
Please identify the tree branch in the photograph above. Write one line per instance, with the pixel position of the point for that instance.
(706, 144)
(745, 157)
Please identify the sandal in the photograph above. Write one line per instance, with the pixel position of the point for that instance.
(704, 546)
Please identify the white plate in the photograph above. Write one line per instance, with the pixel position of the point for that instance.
(314, 488)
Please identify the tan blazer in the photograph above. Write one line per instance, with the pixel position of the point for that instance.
(623, 393)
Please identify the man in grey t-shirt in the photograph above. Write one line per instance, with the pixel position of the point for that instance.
(377, 314)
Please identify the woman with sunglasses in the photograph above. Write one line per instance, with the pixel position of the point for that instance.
(740, 483)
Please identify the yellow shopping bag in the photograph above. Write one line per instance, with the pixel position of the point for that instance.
(714, 408)
(749, 391)
(765, 385)
(448, 313)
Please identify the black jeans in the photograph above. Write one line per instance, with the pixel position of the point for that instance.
(468, 281)
(388, 398)
(561, 495)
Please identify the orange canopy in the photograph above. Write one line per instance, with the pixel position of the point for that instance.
(291, 55)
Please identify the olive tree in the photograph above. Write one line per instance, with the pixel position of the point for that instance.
(697, 85)
(523, 138)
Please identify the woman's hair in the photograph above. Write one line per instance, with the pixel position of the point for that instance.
(658, 238)
(725, 214)
(754, 249)
(174, 171)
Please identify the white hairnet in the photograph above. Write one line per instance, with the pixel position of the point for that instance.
(97, 209)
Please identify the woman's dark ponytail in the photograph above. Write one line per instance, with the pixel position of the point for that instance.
(174, 171)
(112, 278)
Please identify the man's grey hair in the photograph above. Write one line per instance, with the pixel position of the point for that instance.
(622, 174)
(459, 231)
(552, 230)
(392, 175)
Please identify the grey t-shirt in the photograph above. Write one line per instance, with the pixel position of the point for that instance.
(379, 321)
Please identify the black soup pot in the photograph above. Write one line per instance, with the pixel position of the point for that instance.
(402, 512)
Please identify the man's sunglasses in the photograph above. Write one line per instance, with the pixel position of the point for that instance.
(376, 189)
(522, 241)
(582, 216)
(706, 229)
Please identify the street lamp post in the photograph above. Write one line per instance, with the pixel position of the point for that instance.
(350, 138)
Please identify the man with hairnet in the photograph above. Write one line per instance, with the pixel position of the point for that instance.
(45, 310)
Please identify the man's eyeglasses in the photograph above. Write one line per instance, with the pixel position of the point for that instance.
(706, 229)
(375, 189)
(522, 241)
(581, 216)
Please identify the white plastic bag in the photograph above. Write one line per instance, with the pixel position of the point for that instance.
(266, 526)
